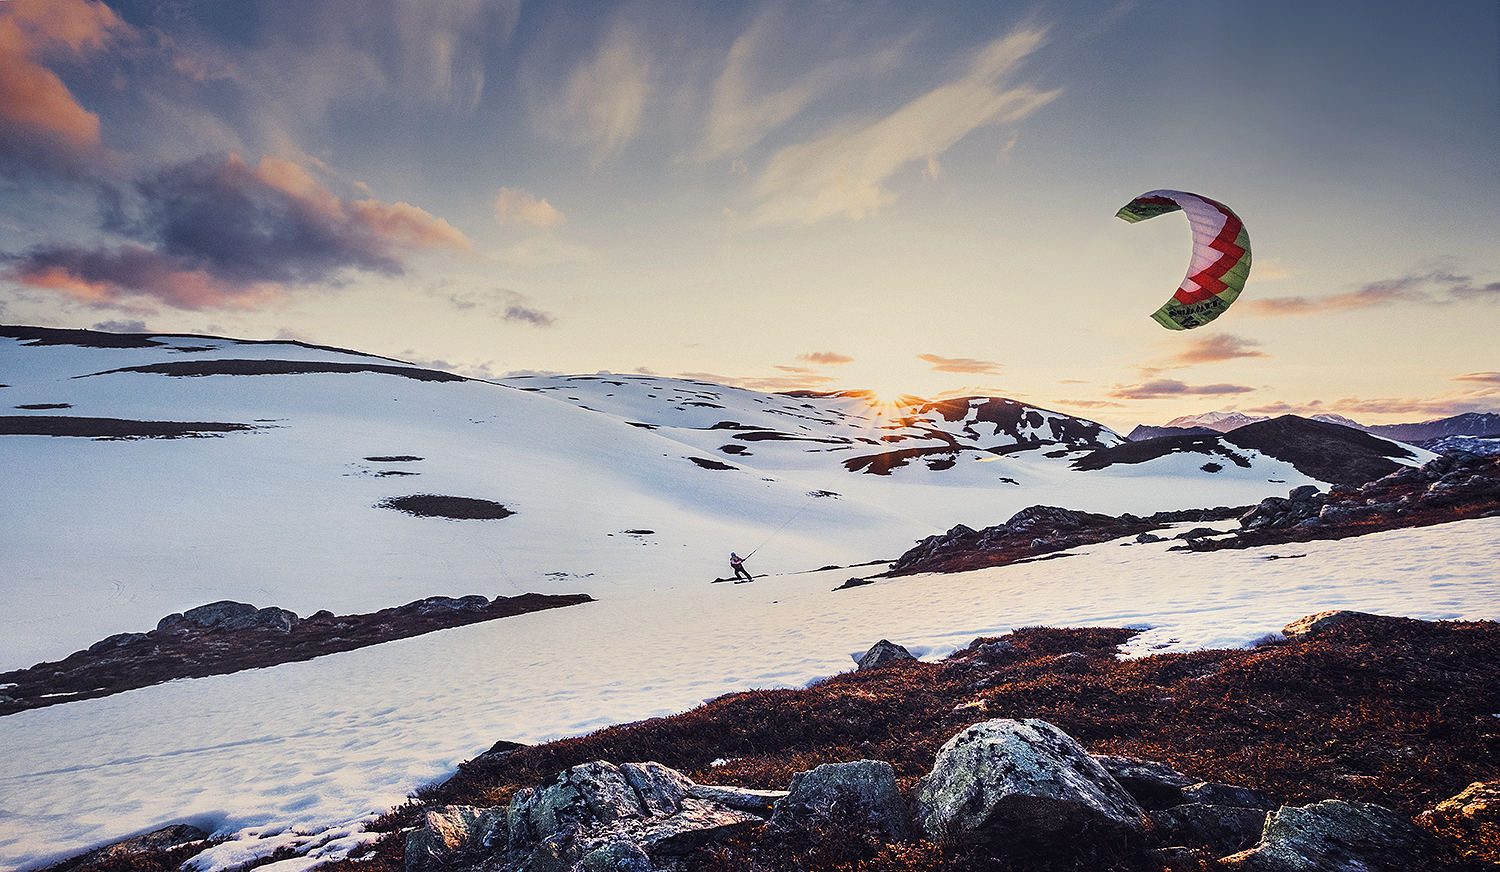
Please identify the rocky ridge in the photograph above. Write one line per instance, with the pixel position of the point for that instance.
(224, 637)
(1449, 488)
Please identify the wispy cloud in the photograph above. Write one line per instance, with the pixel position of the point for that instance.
(774, 383)
(1430, 288)
(740, 117)
(1482, 377)
(218, 233)
(844, 171)
(826, 358)
(1166, 387)
(604, 98)
(42, 125)
(500, 303)
(961, 364)
(1212, 349)
(515, 206)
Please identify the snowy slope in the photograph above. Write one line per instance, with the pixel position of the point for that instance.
(105, 536)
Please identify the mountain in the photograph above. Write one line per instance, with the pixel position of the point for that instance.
(1469, 424)
(1223, 422)
(1144, 431)
(1321, 451)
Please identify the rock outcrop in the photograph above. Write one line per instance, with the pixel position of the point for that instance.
(1008, 781)
(226, 636)
(1337, 836)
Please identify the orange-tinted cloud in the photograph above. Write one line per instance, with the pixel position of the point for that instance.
(1484, 377)
(1434, 287)
(1211, 349)
(1166, 387)
(42, 125)
(218, 233)
(961, 364)
(827, 358)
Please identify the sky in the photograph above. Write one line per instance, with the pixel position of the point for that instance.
(907, 198)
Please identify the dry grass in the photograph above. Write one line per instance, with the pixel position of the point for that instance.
(1384, 710)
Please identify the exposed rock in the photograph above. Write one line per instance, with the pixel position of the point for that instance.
(883, 653)
(865, 789)
(224, 637)
(1153, 785)
(1023, 781)
(118, 640)
(1227, 795)
(156, 841)
(1337, 836)
(448, 832)
(1317, 623)
(1472, 819)
(1222, 829)
(594, 806)
(758, 802)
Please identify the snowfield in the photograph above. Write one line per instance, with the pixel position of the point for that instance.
(108, 536)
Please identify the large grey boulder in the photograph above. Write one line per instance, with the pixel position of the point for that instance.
(863, 789)
(450, 831)
(584, 817)
(1337, 836)
(1025, 780)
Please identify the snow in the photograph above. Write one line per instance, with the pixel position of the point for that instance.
(109, 536)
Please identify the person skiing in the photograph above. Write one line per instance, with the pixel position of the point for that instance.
(740, 571)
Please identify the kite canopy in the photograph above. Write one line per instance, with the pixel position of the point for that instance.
(1221, 256)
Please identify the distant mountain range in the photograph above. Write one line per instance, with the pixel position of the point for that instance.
(1480, 424)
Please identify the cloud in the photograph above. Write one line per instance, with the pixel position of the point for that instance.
(42, 125)
(827, 358)
(604, 99)
(503, 304)
(961, 364)
(844, 171)
(1430, 288)
(739, 117)
(1479, 377)
(1408, 409)
(775, 383)
(218, 233)
(121, 327)
(1211, 349)
(1166, 387)
(515, 206)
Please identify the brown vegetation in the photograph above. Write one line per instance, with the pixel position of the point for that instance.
(1384, 710)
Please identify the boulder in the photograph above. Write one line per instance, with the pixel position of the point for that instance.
(758, 802)
(1221, 829)
(590, 809)
(883, 653)
(1153, 785)
(449, 832)
(230, 615)
(1228, 795)
(1472, 819)
(838, 793)
(1337, 836)
(1023, 781)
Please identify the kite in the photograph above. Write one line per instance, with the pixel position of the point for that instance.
(1221, 256)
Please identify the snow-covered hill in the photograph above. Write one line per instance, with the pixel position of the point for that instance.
(106, 535)
(632, 489)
